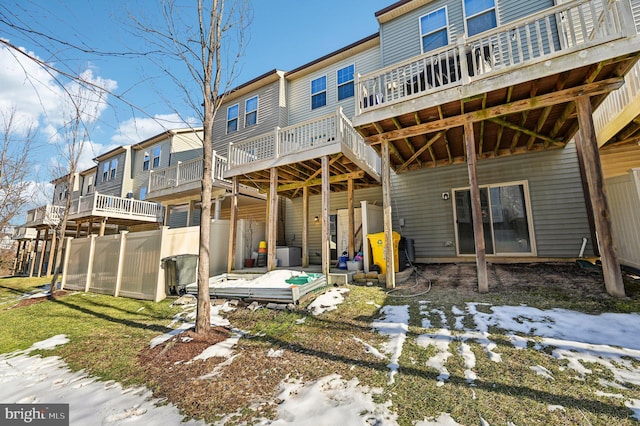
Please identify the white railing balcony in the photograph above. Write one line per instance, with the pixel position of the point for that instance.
(49, 215)
(536, 38)
(619, 107)
(111, 206)
(185, 173)
(303, 141)
(23, 233)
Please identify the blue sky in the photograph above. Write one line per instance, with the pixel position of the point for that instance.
(284, 34)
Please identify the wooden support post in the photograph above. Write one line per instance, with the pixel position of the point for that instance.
(103, 225)
(351, 225)
(35, 253)
(43, 251)
(476, 209)
(78, 229)
(52, 254)
(305, 227)
(233, 224)
(593, 171)
(387, 220)
(273, 220)
(326, 237)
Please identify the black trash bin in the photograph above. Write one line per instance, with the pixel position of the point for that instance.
(179, 271)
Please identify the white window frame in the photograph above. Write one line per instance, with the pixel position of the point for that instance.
(248, 112)
(352, 81)
(528, 212)
(236, 119)
(317, 93)
(466, 18)
(156, 150)
(423, 35)
(146, 162)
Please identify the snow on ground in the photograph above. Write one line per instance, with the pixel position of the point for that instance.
(328, 301)
(28, 379)
(395, 324)
(330, 401)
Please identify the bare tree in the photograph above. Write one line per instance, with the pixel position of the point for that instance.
(14, 167)
(207, 41)
(81, 109)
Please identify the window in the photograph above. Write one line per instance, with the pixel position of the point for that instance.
(114, 167)
(345, 82)
(145, 163)
(506, 220)
(143, 193)
(480, 15)
(232, 119)
(156, 156)
(251, 111)
(105, 171)
(319, 92)
(433, 30)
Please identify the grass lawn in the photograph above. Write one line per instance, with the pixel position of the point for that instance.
(527, 386)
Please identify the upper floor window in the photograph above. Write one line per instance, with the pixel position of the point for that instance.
(319, 92)
(146, 162)
(156, 156)
(143, 193)
(251, 111)
(232, 119)
(345, 82)
(105, 171)
(433, 29)
(480, 15)
(114, 167)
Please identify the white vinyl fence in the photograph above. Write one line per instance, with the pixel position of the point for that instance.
(130, 264)
(623, 194)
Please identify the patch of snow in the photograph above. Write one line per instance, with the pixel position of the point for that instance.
(370, 349)
(444, 419)
(634, 405)
(218, 368)
(440, 340)
(469, 362)
(541, 371)
(609, 395)
(222, 349)
(301, 320)
(555, 408)
(330, 401)
(328, 301)
(275, 353)
(50, 343)
(395, 324)
(483, 422)
(518, 342)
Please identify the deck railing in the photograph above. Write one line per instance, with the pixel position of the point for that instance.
(184, 173)
(326, 130)
(113, 206)
(45, 215)
(558, 30)
(618, 100)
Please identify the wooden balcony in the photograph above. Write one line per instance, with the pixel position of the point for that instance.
(516, 83)
(24, 233)
(116, 209)
(47, 215)
(295, 150)
(183, 180)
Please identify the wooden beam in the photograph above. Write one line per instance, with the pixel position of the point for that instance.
(318, 181)
(420, 151)
(44, 247)
(387, 219)
(326, 237)
(350, 219)
(273, 221)
(476, 209)
(52, 254)
(541, 101)
(593, 170)
(524, 130)
(305, 227)
(233, 224)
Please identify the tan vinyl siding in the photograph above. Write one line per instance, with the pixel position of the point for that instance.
(299, 94)
(140, 176)
(185, 147)
(618, 160)
(556, 195)
(269, 117)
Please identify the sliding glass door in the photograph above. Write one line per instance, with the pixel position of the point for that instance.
(506, 220)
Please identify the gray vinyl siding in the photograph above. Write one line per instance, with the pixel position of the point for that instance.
(555, 188)
(122, 183)
(140, 176)
(401, 36)
(299, 94)
(293, 231)
(270, 116)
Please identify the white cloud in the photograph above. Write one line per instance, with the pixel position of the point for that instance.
(136, 130)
